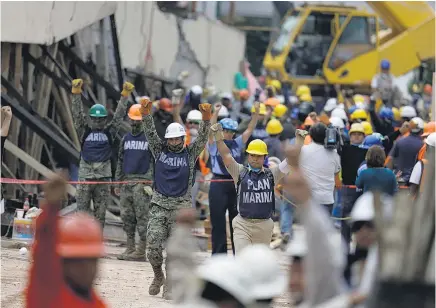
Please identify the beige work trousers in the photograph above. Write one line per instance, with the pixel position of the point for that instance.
(251, 231)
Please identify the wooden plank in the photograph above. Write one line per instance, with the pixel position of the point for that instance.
(6, 54)
(8, 173)
(42, 103)
(18, 67)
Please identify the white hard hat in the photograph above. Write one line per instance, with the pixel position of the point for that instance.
(431, 140)
(197, 90)
(297, 246)
(194, 115)
(337, 122)
(226, 95)
(340, 113)
(228, 274)
(408, 112)
(419, 124)
(266, 278)
(175, 130)
(363, 209)
(331, 104)
(293, 99)
(224, 112)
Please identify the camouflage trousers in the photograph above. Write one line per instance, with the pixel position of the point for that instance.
(160, 224)
(134, 204)
(100, 194)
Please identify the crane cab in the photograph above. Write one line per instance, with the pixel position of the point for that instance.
(315, 41)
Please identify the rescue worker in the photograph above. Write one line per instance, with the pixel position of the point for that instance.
(255, 188)
(66, 255)
(383, 121)
(274, 128)
(95, 157)
(404, 153)
(259, 131)
(331, 104)
(318, 259)
(358, 116)
(304, 109)
(418, 171)
(173, 179)
(302, 90)
(383, 84)
(423, 105)
(340, 113)
(135, 164)
(222, 195)
(163, 116)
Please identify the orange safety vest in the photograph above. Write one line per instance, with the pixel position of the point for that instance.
(203, 168)
(421, 152)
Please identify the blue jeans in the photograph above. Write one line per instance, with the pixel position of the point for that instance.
(286, 217)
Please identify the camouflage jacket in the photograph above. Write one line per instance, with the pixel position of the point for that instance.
(97, 170)
(194, 149)
(119, 174)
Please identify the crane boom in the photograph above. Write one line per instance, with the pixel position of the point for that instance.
(402, 15)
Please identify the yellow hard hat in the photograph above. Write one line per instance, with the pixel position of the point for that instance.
(356, 128)
(358, 99)
(303, 89)
(257, 147)
(276, 84)
(306, 97)
(359, 114)
(274, 127)
(262, 109)
(367, 128)
(280, 110)
(397, 114)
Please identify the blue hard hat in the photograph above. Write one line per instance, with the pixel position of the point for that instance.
(352, 109)
(374, 139)
(386, 113)
(294, 114)
(385, 64)
(229, 124)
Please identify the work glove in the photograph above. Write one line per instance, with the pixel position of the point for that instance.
(127, 89)
(77, 86)
(206, 111)
(217, 131)
(177, 94)
(146, 105)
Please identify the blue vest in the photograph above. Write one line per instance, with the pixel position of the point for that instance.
(96, 146)
(172, 173)
(136, 159)
(236, 154)
(256, 194)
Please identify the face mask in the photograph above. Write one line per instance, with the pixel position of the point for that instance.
(98, 123)
(136, 128)
(176, 148)
(254, 169)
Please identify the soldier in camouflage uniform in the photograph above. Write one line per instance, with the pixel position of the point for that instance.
(96, 152)
(173, 180)
(135, 163)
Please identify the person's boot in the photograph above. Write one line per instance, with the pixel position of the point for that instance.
(129, 249)
(157, 282)
(139, 253)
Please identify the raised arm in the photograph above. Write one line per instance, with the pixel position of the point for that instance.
(226, 155)
(252, 125)
(46, 275)
(154, 141)
(203, 132)
(214, 119)
(6, 122)
(120, 112)
(178, 104)
(79, 117)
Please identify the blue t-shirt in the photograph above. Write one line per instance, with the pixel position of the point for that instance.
(213, 151)
(404, 153)
(381, 179)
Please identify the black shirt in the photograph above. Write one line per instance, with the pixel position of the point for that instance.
(351, 158)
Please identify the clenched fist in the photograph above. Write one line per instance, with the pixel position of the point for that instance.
(256, 106)
(146, 105)
(217, 131)
(77, 86)
(206, 111)
(127, 89)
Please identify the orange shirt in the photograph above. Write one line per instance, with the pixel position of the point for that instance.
(47, 288)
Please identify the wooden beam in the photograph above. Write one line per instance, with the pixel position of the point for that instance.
(6, 171)
(6, 54)
(18, 67)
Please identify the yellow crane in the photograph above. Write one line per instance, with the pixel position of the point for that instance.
(322, 45)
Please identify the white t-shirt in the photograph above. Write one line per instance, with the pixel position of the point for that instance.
(415, 177)
(320, 165)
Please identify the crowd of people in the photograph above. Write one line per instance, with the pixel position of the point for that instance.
(317, 170)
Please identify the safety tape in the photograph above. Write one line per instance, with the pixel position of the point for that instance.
(36, 182)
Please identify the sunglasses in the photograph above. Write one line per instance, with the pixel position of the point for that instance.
(194, 122)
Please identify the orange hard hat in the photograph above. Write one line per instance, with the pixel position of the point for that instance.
(308, 121)
(272, 101)
(429, 128)
(80, 236)
(135, 112)
(428, 89)
(244, 94)
(165, 104)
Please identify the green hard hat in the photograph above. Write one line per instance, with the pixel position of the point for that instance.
(98, 111)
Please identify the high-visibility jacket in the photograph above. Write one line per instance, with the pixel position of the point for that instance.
(201, 162)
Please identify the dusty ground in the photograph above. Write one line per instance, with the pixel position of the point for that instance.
(122, 284)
